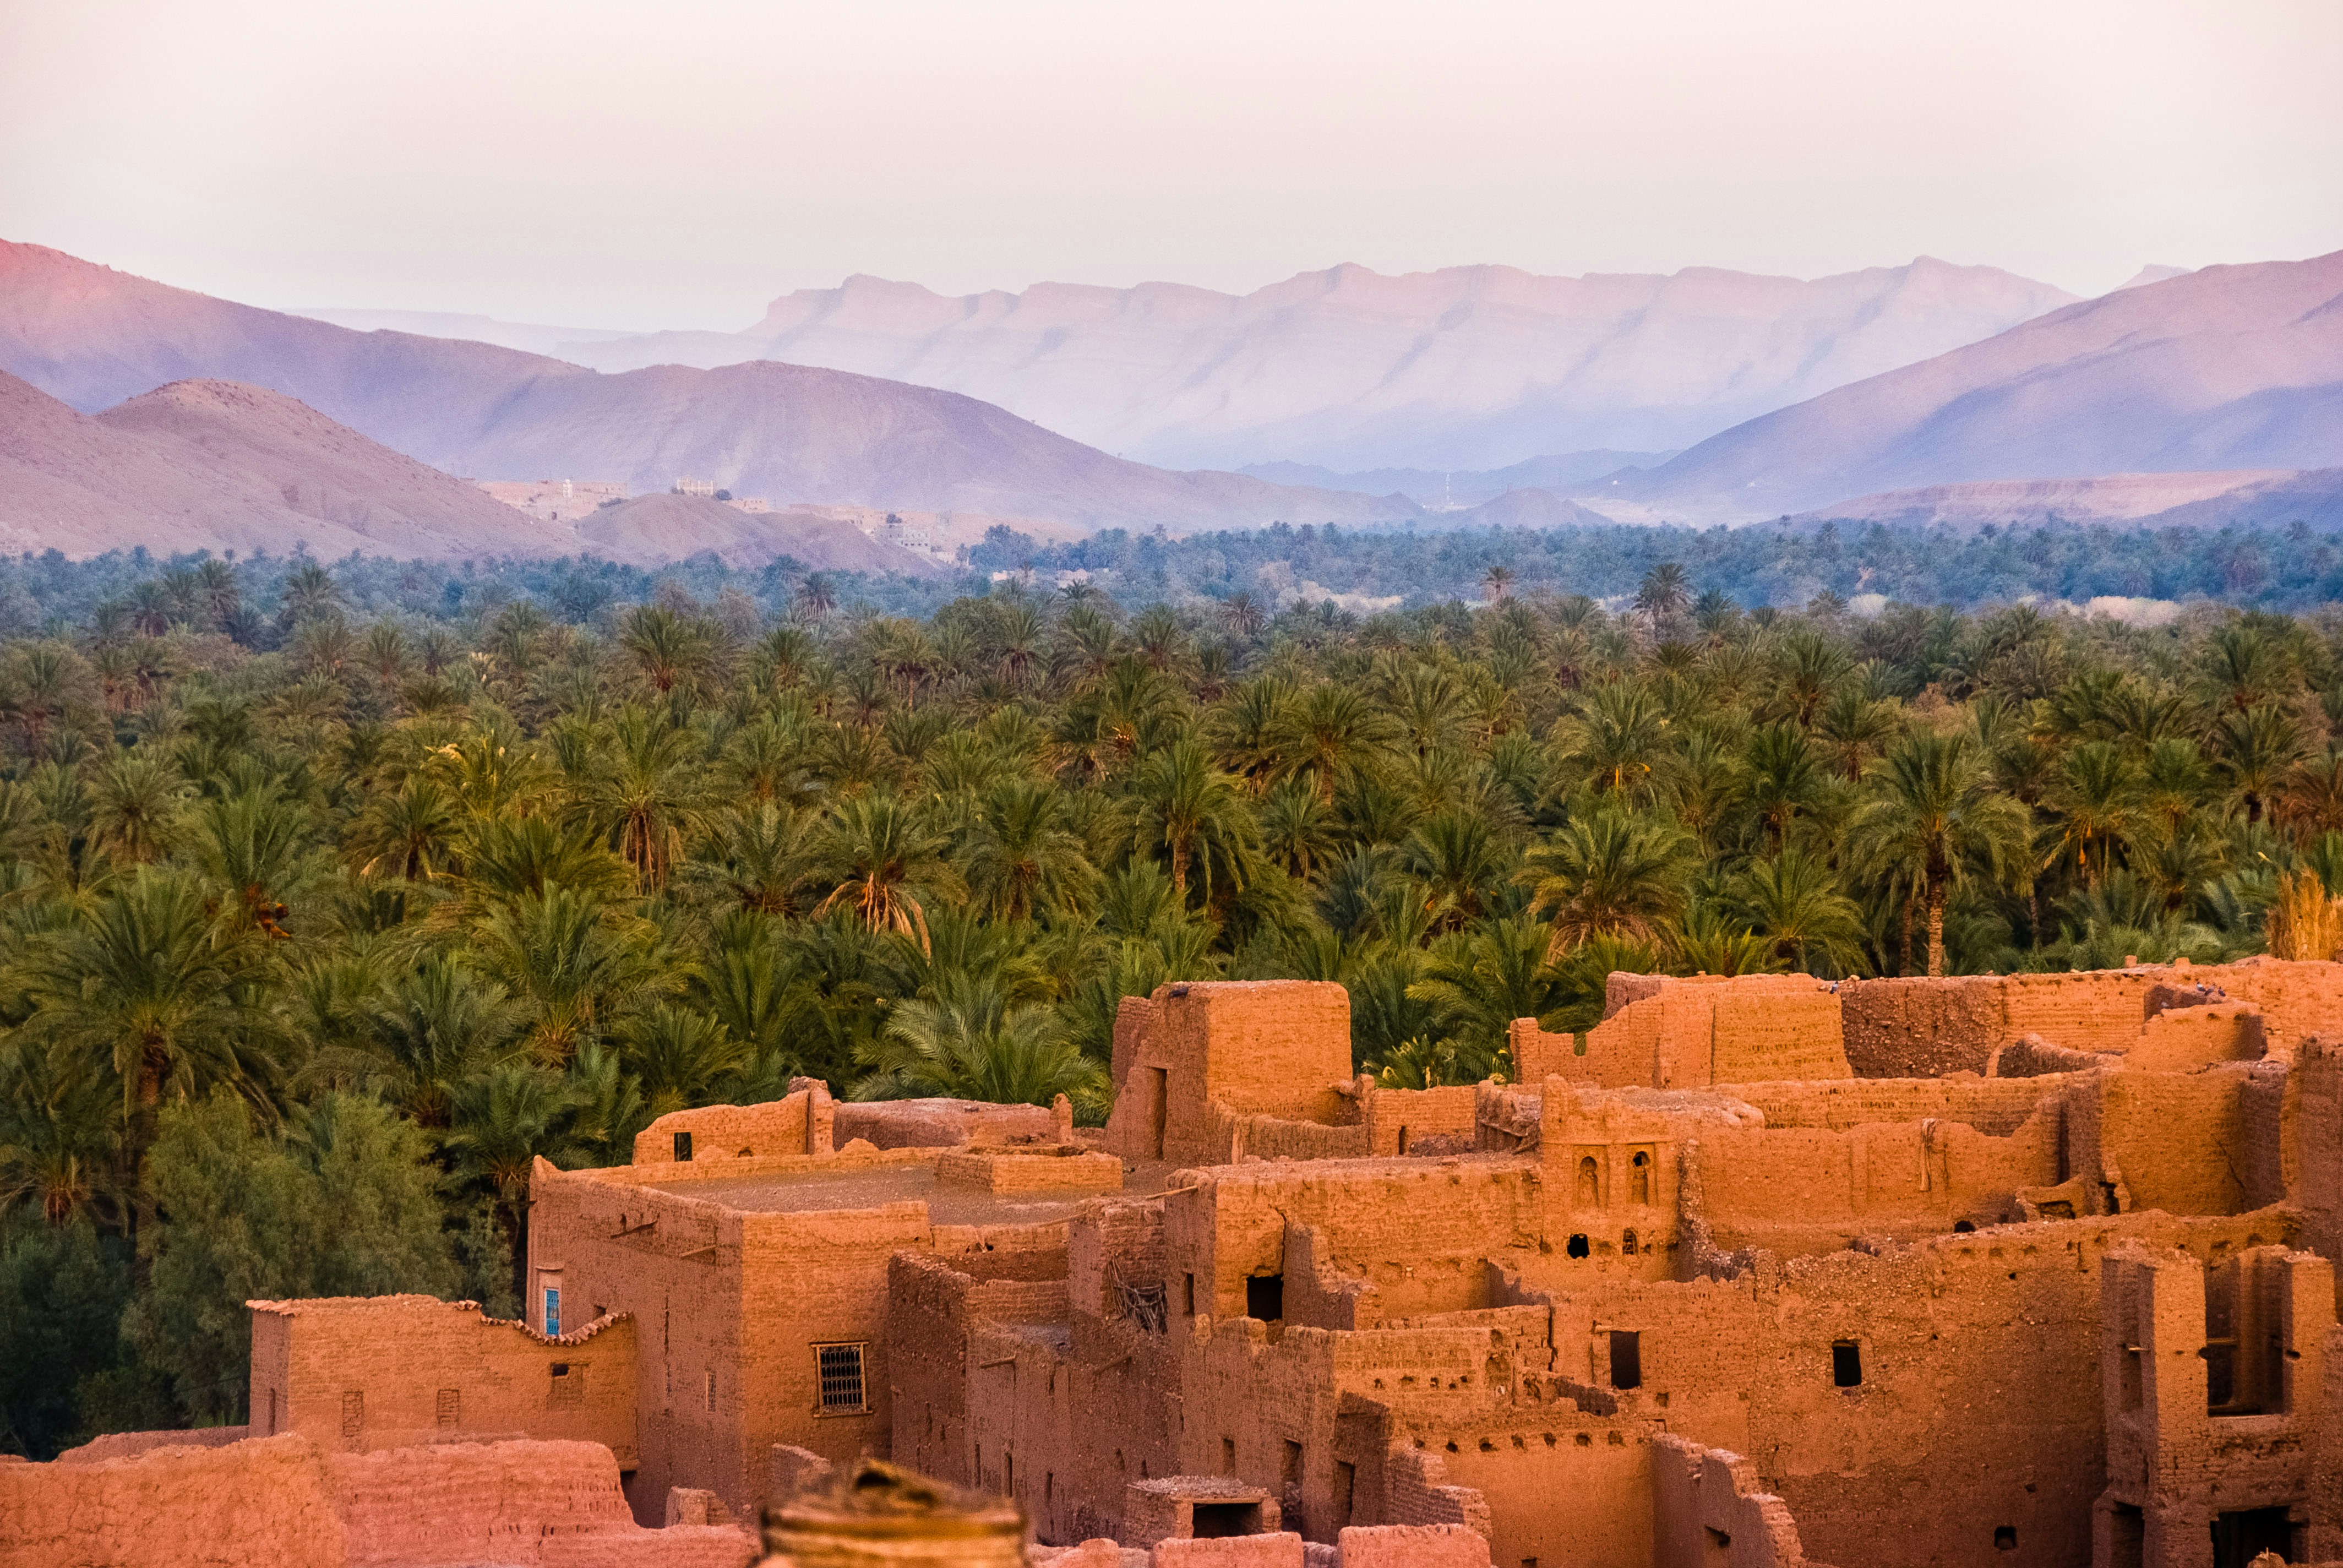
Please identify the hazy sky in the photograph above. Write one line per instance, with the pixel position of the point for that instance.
(638, 164)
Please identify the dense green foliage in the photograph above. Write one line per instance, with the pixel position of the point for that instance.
(327, 905)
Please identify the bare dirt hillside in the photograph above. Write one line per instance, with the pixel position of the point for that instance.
(1524, 508)
(213, 465)
(1464, 367)
(92, 337)
(2230, 367)
(670, 527)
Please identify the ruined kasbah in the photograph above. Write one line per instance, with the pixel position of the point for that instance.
(1763, 1271)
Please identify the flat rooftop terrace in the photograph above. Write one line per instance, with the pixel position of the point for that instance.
(874, 1187)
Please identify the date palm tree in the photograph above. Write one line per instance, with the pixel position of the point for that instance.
(879, 857)
(1187, 809)
(1021, 856)
(1934, 816)
(1610, 872)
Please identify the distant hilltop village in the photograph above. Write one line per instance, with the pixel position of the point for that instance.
(2034, 1270)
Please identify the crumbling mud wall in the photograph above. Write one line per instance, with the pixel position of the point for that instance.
(284, 1503)
(354, 1374)
(1708, 1506)
(1920, 1028)
(265, 1504)
(797, 1124)
(1664, 1032)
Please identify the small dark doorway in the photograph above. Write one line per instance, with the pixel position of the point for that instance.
(1626, 1358)
(1216, 1520)
(2239, 1538)
(1265, 1298)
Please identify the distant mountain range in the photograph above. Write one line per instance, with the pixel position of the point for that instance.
(2201, 398)
(93, 337)
(2230, 367)
(1466, 368)
(219, 465)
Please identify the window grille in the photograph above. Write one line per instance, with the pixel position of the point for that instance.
(840, 1367)
(450, 1413)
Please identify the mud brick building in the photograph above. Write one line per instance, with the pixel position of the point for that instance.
(2008, 1271)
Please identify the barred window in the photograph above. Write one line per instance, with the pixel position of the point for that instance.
(840, 1367)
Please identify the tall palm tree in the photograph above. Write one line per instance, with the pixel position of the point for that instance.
(407, 833)
(2256, 744)
(1782, 778)
(1460, 861)
(1934, 816)
(1618, 737)
(148, 983)
(1477, 982)
(681, 1056)
(503, 1120)
(1664, 592)
(2097, 803)
(572, 963)
(760, 857)
(1188, 808)
(1609, 873)
(1795, 903)
(1021, 856)
(435, 1025)
(1327, 729)
(879, 857)
(650, 794)
(137, 803)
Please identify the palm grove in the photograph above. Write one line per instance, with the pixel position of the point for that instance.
(322, 924)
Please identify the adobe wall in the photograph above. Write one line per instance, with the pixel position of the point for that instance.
(1423, 1418)
(2178, 1039)
(1978, 1407)
(797, 1124)
(554, 1505)
(266, 1504)
(2171, 1457)
(951, 1123)
(1921, 1028)
(934, 1307)
(1666, 1032)
(1708, 1503)
(1994, 1105)
(2185, 1144)
(2317, 1080)
(1794, 1190)
(1417, 1231)
(283, 1502)
(356, 1373)
(1206, 1051)
(1915, 1027)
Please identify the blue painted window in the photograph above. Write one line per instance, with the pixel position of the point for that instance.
(552, 1310)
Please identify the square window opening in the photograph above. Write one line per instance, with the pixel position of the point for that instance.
(840, 1370)
(1847, 1365)
(1265, 1298)
(683, 1146)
